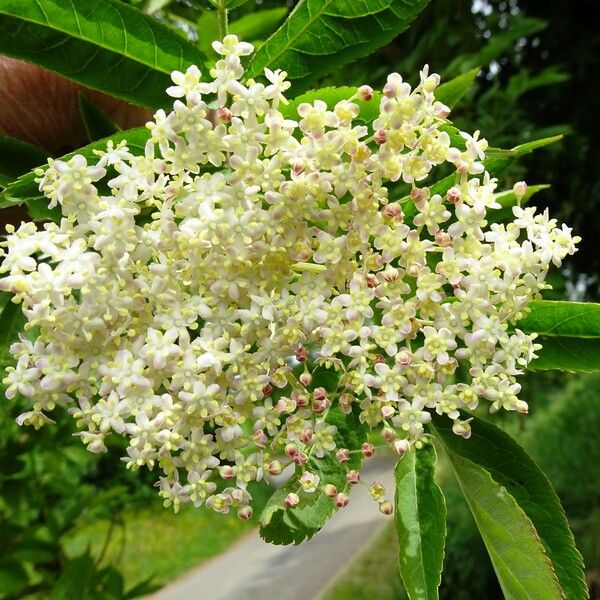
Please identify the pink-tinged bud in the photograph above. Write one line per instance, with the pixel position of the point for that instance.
(320, 393)
(291, 449)
(367, 449)
(371, 280)
(393, 211)
(297, 168)
(330, 490)
(387, 411)
(386, 507)
(227, 472)
(305, 379)
(320, 406)
(401, 446)
(343, 455)
(462, 428)
(306, 436)
(300, 458)
(403, 358)
(418, 195)
(453, 195)
(275, 468)
(441, 110)
(260, 438)
(341, 500)
(389, 90)
(301, 355)
(301, 399)
(365, 92)
(519, 189)
(245, 513)
(413, 270)
(292, 500)
(391, 274)
(443, 238)
(353, 477)
(380, 137)
(285, 405)
(345, 402)
(267, 390)
(224, 114)
(379, 358)
(388, 434)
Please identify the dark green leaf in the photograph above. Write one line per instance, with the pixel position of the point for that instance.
(562, 353)
(517, 511)
(97, 124)
(450, 92)
(577, 319)
(75, 580)
(320, 36)
(25, 189)
(420, 523)
(508, 199)
(17, 157)
(11, 320)
(106, 45)
(279, 525)
(257, 25)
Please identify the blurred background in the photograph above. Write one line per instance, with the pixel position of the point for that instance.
(68, 514)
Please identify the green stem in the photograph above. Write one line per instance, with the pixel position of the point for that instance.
(223, 27)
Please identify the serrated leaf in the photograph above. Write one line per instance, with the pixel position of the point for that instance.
(450, 92)
(562, 318)
(517, 511)
(25, 189)
(420, 523)
(17, 157)
(106, 45)
(258, 25)
(279, 525)
(320, 36)
(97, 124)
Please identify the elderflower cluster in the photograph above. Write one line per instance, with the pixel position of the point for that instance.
(189, 294)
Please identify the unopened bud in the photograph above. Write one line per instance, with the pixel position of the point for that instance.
(341, 500)
(224, 114)
(345, 402)
(365, 92)
(260, 438)
(320, 393)
(367, 449)
(391, 274)
(386, 507)
(275, 468)
(343, 455)
(353, 477)
(305, 379)
(403, 358)
(267, 390)
(301, 355)
(519, 189)
(291, 449)
(401, 446)
(300, 458)
(227, 472)
(380, 137)
(371, 280)
(320, 406)
(330, 490)
(306, 436)
(462, 428)
(245, 513)
(292, 500)
(393, 211)
(453, 195)
(387, 411)
(388, 434)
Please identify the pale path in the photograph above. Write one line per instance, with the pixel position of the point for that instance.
(255, 570)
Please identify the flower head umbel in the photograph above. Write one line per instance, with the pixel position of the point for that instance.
(188, 295)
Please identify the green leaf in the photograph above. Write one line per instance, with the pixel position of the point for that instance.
(420, 523)
(17, 157)
(279, 525)
(450, 92)
(229, 4)
(11, 320)
(25, 189)
(208, 31)
(518, 513)
(508, 199)
(569, 333)
(75, 580)
(97, 124)
(320, 36)
(258, 25)
(106, 45)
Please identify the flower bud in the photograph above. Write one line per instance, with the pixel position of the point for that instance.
(353, 477)
(320, 393)
(453, 195)
(343, 455)
(292, 500)
(519, 189)
(376, 491)
(403, 358)
(388, 434)
(330, 490)
(401, 446)
(227, 472)
(301, 399)
(320, 406)
(267, 390)
(345, 402)
(367, 449)
(387, 411)
(393, 211)
(380, 137)
(386, 507)
(462, 428)
(306, 436)
(301, 356)
(300, 458)
(275, 468)
(291, 449)
(365, 92)
(224, 114)
(341, 500)
(371, 280)
(245, 513)
(305, 379)
(260, 438)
